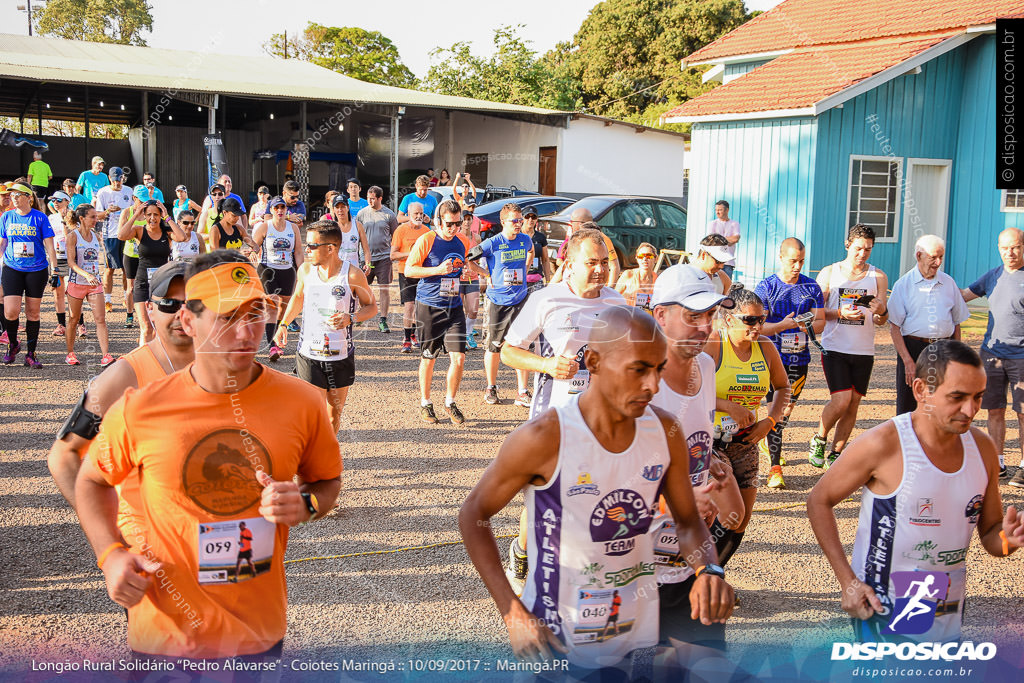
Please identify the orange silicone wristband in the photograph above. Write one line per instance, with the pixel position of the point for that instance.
(1006, 543)
(110, 549)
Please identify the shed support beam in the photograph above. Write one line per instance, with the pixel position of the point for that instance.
(394, 162)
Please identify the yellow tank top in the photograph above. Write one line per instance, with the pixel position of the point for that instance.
(131, 247)
(742, 382)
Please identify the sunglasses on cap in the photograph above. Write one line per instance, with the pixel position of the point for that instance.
(751, 320)
(169, 306)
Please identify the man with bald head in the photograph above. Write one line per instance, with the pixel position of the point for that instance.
(558, 319)
(1002, 350)
(591, 471)
(925, 306)
(788, 296)
(582, 218)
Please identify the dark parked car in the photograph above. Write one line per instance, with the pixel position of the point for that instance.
(627, 221)
(490, 223)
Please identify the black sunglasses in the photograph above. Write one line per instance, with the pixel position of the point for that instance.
(187, 222)
(169, 306)
(751, 320)
(452, 224)
(316, 245)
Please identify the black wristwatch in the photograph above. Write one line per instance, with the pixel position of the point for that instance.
(311, 504)
(712, 570)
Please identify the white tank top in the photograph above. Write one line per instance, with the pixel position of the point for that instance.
(186, 251)
(591, 559)
(87, 257)
(925, 525)
(850, 336)
(279, 247)
(318, 341)
(349, 249)
(694, 414)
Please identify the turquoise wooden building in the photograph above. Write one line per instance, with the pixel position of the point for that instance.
(832, 113)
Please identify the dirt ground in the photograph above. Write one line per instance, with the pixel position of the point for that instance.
(404, 482)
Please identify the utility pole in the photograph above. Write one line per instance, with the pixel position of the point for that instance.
(27, 7)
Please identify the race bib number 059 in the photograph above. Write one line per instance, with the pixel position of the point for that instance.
(234, 551)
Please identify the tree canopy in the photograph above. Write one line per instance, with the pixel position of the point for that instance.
(100, 21)
(623, 62)
(367, 55)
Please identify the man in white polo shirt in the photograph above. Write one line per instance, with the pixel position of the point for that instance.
(925, 306)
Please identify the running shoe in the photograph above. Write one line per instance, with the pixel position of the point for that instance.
(129, 322)
(107, 359)
(455, 414)
(471, 342)
(60, 331)
(4, 339)
(12, 353)
(524, 399)
(72, 359)
(30, 361)
(427, 414)
(83, 331)
(109, 307)
(517, 568)
(1003, 472)
(1017, 481)
(407, 346)
(491, 396)
(832, 457)
(415, 342)
(383, 326)
(293, 326)
(816, 456)
(775, 480)
(275, 353)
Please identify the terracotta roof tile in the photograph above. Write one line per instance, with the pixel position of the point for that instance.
(797, 23)
(805, 76)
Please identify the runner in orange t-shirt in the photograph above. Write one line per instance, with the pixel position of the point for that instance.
(216, 446)
(171, 350)
(244, 551)
(401, 245)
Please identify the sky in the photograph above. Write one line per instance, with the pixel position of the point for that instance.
(414, 27)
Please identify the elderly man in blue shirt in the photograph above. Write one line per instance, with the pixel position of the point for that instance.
(925, 305)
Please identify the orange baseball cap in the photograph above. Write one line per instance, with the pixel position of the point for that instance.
(225, 287)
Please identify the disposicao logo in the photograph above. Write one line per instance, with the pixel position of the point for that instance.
(947, 652)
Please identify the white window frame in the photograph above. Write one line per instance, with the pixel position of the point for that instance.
(899, 195)
(1009, 209)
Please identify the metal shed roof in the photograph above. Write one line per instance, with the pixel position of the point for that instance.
(206, 71)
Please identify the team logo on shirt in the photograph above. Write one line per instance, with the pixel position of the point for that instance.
(569, 325)
(219, 473)
(917, 597)
(974, 509)
(618, 519)
(338, 292)
(652, 472)
(583, 485)
(240, 276)
(925, 509)
(282, 243)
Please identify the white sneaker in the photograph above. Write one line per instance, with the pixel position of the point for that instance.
(516, 570)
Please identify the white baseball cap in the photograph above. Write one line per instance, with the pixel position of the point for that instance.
(689, 287)
(720, 254)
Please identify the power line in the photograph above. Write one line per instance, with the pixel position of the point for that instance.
(637, 92)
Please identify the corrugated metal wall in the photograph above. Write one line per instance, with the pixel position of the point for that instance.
(975, 216)
(917, 116)
(764, 169)
(181, 158)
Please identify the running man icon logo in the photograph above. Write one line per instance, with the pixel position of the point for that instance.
(917, 595)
